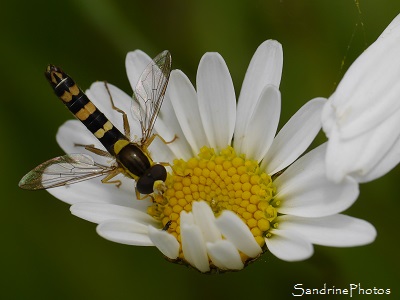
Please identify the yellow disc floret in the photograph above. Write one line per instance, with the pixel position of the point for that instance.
(226, 181)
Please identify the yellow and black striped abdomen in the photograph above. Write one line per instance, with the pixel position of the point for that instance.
(80, 105)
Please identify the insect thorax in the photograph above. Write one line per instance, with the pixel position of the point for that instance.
(132, 158)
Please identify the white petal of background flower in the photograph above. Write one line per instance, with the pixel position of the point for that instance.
(224, 255)
(125, 232)
(358, 156)
(304, 190)
(265, 68)
(165, 242)
(390, 160)
(217, 101)
(237, 232)
(185, 103)
(392, 29)
(367, 95)
(261, 131)
(335, 230)
(101, 212)
(295, 137)
(365, 102)
(289, 245)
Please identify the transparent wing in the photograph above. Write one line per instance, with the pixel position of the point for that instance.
(149, 92)
(63, 170)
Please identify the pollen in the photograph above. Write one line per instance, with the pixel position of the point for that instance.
(226, 181)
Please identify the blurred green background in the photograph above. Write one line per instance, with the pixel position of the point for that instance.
(46, 253)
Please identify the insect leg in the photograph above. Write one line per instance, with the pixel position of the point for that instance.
(94, 150)
(111, 176)
(140, 197)
(127, 130)
(153, 136)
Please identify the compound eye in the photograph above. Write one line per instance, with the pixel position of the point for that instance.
(145, 184)
(158, 172)
(146, 181)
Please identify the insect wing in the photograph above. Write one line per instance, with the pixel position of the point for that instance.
(150, 91)
(63, 170)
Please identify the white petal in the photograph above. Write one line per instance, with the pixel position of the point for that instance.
(160, 152)
(224, 255)
(357, 157)
(184, 101)
(336, 230)
(387, 163)
(165, 242)
(186, 218)
(289, 245)
(167, 126)
(237, 232)
(295, 137)
(261, 130)
(193, 247)
(304, 190)
(101, 212)
(125, 232)
(368, 93)
(265, 68)
(135, 63)
(365, 102)
(217, 102)
(204, 218)
(96, 191)
(100, 96)
(392, 29)
(73, 132)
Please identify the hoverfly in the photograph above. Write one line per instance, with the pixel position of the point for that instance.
(132, 159)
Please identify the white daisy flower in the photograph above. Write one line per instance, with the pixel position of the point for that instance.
(235, 189)
(362, 117)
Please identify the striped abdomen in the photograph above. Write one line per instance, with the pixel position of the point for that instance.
(80, 105)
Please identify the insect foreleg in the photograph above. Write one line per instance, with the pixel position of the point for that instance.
(140, 197)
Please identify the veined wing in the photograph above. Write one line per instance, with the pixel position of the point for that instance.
(150, 91)
(63, 170)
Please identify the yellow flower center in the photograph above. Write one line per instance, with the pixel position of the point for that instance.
(224, 180)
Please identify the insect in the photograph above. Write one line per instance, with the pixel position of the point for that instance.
(167, 225)
(132, 159)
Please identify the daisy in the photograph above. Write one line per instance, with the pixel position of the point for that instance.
(362, 117)
(235, 189)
